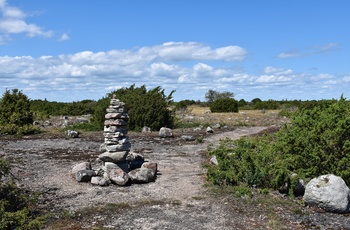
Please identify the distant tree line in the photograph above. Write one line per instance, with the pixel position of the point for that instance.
(145, 107)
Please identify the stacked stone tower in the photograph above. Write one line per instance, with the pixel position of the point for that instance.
(120, 166)
(116, 146)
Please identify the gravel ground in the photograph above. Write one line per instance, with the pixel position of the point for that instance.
(178, 199)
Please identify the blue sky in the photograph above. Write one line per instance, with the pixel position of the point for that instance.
(74, 50)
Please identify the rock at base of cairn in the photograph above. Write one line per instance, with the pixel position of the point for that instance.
(120, 166)
(142, 175)
(84, 175)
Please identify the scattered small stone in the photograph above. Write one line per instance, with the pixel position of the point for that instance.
(188, 138)
(209, 130)
(72, 133)
(214, 161)
(165, 132)
(146, 130)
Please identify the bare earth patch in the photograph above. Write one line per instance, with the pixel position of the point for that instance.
(178, 199)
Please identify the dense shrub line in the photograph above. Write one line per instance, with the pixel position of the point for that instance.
(316, 142)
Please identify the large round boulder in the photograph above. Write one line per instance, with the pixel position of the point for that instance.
(328, 192)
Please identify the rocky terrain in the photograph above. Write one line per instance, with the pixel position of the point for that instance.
(178, 199)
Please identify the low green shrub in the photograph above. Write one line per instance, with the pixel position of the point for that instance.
(316, 142)
(224, 105)
(16, 206)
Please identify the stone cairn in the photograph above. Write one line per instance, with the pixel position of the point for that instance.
(120, 166)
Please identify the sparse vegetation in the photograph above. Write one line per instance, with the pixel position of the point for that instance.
(313, 139)
(16, 206)
(316, 142)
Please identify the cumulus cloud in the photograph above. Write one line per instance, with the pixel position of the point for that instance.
(12, 21)
(180, 51)
(188, 70)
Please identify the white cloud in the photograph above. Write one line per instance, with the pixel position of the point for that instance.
(277, 71)
(201, 67)
(322, 76)
(346, 79)
(288, 54)
(64, 37)
(90, 75)
(13, 22)
(315, 50)
(182, 51)
(272, 79)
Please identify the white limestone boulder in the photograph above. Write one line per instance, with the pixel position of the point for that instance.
(328, 192)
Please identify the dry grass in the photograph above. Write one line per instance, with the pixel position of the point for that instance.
(196, 114)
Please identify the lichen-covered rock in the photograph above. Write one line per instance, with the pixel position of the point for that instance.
(80, 166)
(118, 176)
(142, 175)
(97, 180)
(328, 192)
(151, 165)
(114, 157)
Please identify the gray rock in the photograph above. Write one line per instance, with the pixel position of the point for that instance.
(114, 129)
(116, 139)
(188, 138)
(328, 192)
(84, 175)
(165, 132)
(116, 122)
(118, 176)
(72, 133)
(114, 157)
(102, 148)
(151, 165)
(132, 156)
(116, 115)
(80, 166)
(198, 129)
(209, 130)
(36, 123)
(142, 175)
(47, 123)
(146, 129)
(214, 161)
(118, 147)
(96, 180)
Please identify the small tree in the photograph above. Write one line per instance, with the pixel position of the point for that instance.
(145, 108)
(213, 95)
(15, 114)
